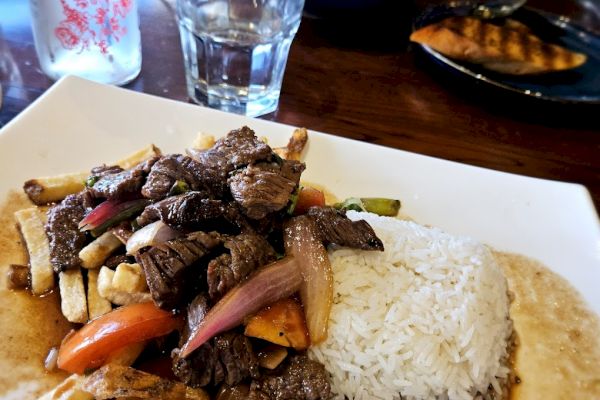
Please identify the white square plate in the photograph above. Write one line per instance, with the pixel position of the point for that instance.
(78, 124)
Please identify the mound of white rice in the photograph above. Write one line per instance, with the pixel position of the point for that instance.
(427, 318)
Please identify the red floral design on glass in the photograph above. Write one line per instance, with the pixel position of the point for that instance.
(92, 23)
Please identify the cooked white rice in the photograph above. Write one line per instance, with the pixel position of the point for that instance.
(427, 318)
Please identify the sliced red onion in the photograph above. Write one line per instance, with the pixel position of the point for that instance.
(276, 281)
(110, 213)
(316, 291)
(150, 235)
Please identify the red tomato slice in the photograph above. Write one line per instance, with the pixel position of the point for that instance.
(94, 342)
(307, 198)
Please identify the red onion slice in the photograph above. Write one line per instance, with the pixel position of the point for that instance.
(316, 291)
(276, 281)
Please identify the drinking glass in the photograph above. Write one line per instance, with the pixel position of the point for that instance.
(94, 39)
(235, 51)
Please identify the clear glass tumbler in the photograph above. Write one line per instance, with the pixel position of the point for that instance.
(235, 51)
(95, 39)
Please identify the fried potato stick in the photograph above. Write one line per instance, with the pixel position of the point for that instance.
(129, 278)
(115, 296)
(203, 141)
(97, 305)
(31, 222)
(137, 157)
(295, 146)
(73, 301)
(94, 254)
(54, 188)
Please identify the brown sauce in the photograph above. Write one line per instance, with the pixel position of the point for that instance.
(557, 356)
(29, 325)
(558, 338)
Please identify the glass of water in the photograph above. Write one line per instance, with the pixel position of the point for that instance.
(235, 51)
(93, 39)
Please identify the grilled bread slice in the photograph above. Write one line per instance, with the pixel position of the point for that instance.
(510, 48)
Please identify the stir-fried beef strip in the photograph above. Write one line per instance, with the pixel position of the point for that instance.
(239, 148)
(299, 379)
(62, 229)
(171, 169)
(248, 251)
(193, 211)
(334, 227)
(227, 358)
(114, 183)
(261, 191)
(166, 266)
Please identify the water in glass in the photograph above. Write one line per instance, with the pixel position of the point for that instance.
(94, 39)
(235, 51)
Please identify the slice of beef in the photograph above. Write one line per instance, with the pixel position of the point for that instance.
(261, 191)
(248, 251)
(193, 211)
(227, 358)
(62, 229)
(299, 379)
(334, 227)
(170, 169)
(114, 183)
(239, 148)
(167, 266)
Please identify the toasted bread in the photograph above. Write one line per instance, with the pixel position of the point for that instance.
(510, 49)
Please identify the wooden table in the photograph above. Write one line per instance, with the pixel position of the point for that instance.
(362, 81)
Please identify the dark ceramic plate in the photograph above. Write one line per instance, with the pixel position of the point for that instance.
(579, 85)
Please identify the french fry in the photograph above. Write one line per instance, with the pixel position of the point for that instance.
(54, 188)
(73, 302)
(69, 389)
(31, 222)
(106, 290)
(129, 278)
(203, 141)
(94, 254)
(97, 305)
(294, 148)
(112, 381)
(137, 157)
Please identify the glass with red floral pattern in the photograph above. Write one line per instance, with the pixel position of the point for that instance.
(94, 39)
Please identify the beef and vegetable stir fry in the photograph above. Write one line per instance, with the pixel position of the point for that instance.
(229, 248)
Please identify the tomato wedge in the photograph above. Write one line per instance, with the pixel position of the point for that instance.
(308, 197)
(90, 346)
